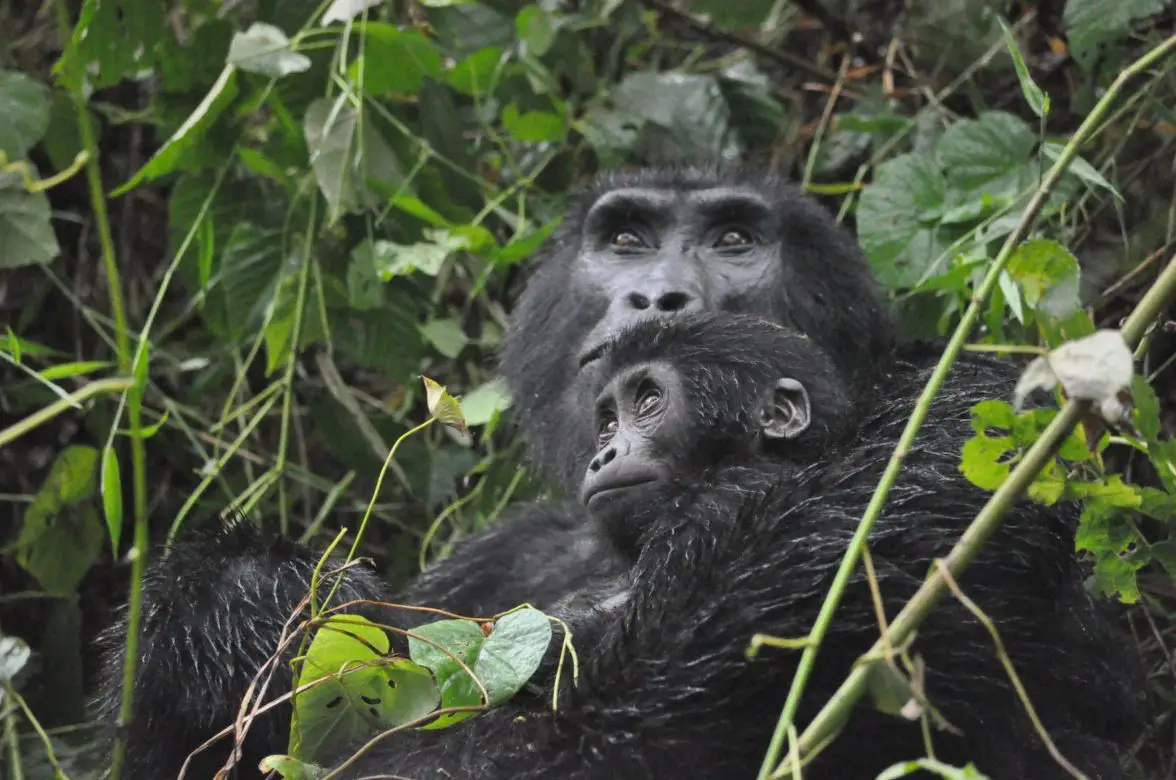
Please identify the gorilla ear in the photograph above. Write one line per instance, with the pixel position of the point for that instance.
(788, 413)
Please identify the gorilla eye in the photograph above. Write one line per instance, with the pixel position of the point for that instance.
(649, 398)
(607, 428)
(627, 239)
(734, 239)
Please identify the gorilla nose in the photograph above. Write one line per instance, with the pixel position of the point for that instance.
(606, 456)
(666, 302)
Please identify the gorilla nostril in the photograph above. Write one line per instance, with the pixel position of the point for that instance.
(673, 301)
(638, 301)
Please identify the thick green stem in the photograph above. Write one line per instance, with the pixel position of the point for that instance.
(134, 395)
(878, 501)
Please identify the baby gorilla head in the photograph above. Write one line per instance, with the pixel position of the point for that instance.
(699, 392)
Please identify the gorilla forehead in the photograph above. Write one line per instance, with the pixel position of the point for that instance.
(740, 342)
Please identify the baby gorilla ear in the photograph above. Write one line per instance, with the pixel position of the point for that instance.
(788, 412)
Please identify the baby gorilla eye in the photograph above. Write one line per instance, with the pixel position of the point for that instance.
(607, 428)
(649, 398)
(734, 239)
(627, 239)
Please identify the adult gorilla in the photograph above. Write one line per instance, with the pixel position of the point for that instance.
(634, 246)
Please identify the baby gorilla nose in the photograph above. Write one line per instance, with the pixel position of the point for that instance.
(606, 456)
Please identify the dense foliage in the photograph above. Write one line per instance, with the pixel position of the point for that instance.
(233, 236)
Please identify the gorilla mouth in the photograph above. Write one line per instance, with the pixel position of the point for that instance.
(601, 491)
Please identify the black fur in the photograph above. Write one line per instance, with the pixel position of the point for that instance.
(208, 625)
(744, 547)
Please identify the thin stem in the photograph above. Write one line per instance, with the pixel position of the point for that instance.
(71, 401)
(967, 322)
(134, 397)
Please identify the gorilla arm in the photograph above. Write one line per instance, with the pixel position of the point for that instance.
(666, 689)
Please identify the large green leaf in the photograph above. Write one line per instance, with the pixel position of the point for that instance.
(24, 113)
(898, 219)
(62, 532)
(344, 153)
(1090, 23)
(188, 136)
(26, 236)
(112, 39)
(683, 116)
(395, 60)
(987, 154)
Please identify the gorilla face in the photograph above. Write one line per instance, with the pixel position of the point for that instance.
(654, 253)
(658, 243)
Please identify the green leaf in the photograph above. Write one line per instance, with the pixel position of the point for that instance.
(463, 638)
(474, 75)
(365, 291)
(934, 766)
(26, 235)
(897, 216)
(62, 533)
(681, 116)
(981, 461)
(290, 768)
(512, 653)
(392, 259)
(745, 13)
(535, 29)
(446, 336)
(533, 126)
(112, 496)
(993, 414)
(987, 154)
(1165, 554)
(344, 156)
(479, 406)
(756, 113)
(395, 60)
(1048, 275)
(80, 368)
(24, 113)
(1037, 100)
(265, 49)
(362, 694)
(442, 406)
(1089, 23)
(1080, 168)
(113, 38)
(188, 136)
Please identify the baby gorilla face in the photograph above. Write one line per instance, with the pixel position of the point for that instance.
(683, 397)
(642, 435)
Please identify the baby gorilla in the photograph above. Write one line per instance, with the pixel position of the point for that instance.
(681, 398)
(704, 425)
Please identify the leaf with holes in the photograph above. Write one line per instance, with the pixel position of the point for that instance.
(1097, 368)
(361, 693)
(112, 39)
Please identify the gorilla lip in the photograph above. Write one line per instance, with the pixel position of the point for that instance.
(616, 487)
